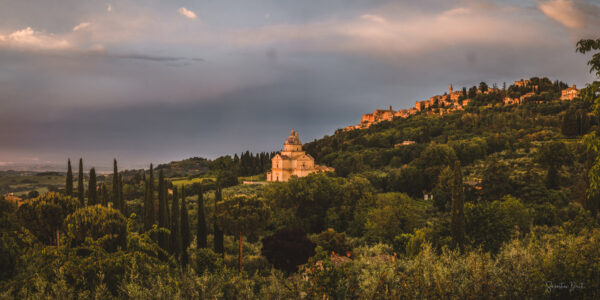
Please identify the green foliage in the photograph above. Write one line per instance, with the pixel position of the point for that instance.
(80, 188)
(496, 180)
(201, 229)
(43, 216)
(242, 214)
(489, 225)
(9, 255)
(457, 226)
(287, 248)
(332, 241)
(105, 226)
(321, 201)
(69, 180)
(205, 260)
(395, 213)
(186, 235)
(587, 45)
(553, 155)
(407, 179)
(149, 214)
(175, 237)
(163, 210)
(92, 188)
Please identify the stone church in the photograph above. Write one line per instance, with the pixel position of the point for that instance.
(292, 161)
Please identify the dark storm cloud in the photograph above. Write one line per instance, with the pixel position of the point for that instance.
(100, 84)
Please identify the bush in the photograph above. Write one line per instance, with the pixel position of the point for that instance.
(332, 241)
(287, 248)
(205, 260)
(105, 225)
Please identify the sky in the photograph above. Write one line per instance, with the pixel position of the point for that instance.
(153, 81)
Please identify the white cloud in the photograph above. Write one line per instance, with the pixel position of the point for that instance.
(29, 38)
(458, 11)
(81, 26)
(564, 12)
(573, 14)
(373, 18)
(187, 13)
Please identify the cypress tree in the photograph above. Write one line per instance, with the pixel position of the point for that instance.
(185, 230)
(104, 195)
(163, 240)
(80, 184)
(175, 238)
(92, 192)
(218, 233)
(152, 213)
(122, 206)
(149, 217)
(201, 229)
(69, 183)
(457, 226)
(115, 186)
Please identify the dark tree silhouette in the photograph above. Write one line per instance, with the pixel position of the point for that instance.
(287, 248)
(69, 183)
(80, 184)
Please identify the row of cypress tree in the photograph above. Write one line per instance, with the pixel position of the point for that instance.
(118, 202)
(170, 213)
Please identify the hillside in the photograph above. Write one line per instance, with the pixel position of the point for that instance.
(486, 131)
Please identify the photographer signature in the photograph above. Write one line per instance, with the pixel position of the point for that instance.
(563, 285)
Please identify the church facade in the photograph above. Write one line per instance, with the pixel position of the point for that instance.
(292, 161)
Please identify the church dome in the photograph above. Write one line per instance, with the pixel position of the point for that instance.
(293, 139)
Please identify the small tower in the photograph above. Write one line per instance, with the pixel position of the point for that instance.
(450, 89)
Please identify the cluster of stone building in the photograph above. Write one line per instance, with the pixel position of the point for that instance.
(447, 103)
(567, 94)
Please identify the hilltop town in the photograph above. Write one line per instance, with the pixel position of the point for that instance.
(520, 92)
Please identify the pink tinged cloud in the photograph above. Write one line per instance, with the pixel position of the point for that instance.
(187, 13)
(564, 12)
(29, 38)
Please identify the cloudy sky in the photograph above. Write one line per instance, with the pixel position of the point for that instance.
(154, 81)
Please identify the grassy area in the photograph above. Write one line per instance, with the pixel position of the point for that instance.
(259, 177)
(20, 184)
(185, 181)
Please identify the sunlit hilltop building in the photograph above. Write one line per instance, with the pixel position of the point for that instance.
(292, 161)
(569, 93)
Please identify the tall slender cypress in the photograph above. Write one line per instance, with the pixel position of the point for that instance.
(92, 189)
(104, 200)
(175, 229)
(457, 226)
(122, 205)
(218, 233)
(115, 186)
(201, 229)
(185, 230)
(80, 184)
(149, 217)
(163, 240)
(151, 210)
(69, 183)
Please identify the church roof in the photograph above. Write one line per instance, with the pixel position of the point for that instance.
(293, 139)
